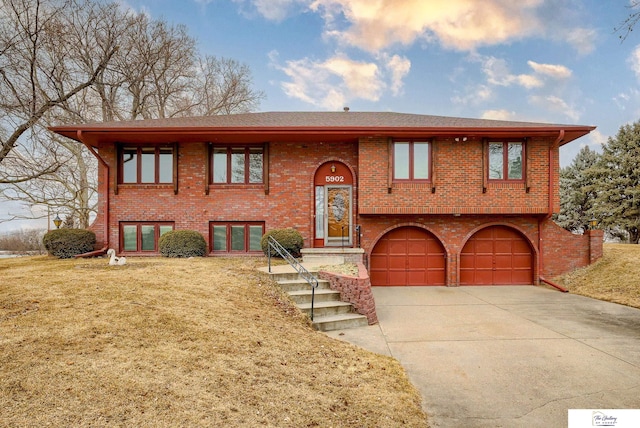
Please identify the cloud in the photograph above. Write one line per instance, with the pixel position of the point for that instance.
(596, 138)
(398, 68)
(554, 71)
(581, 39)
(277, 10)
(498, 115)
(456, 24)
(498, 73)
(333, 82)
(634, 61)
(555, 104)
(464, 25)
(474, 96)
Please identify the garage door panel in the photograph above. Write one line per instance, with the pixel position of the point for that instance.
(397, 247)
(520, 261)
(483, 277)
(378, 276)
(483, 247)
(496, 255)
(436, 261)
(521, 277)
(520, 247)
(483, 261)
(502, 277)
(503, 247)
(409, 256)
(397, 278)
(503, 261)
(416, 262)
(468, 261)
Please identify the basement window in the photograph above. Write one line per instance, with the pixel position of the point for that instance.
(236, 237)
(137, 237)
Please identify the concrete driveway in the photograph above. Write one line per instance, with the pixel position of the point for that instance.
(507, 356)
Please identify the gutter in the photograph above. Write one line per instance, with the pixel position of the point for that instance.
(103, 250)
(552, 148)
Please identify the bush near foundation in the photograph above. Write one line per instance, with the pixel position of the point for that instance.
(289, 238)
(67, 243)
(182, 243)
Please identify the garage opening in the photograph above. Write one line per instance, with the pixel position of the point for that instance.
(408, 256)
(496, 255)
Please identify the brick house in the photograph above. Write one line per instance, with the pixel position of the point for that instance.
(430, 200)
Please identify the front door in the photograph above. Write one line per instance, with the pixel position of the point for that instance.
(333, 205)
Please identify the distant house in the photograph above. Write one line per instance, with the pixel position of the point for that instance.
(430, 200)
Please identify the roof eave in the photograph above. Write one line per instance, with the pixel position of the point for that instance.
(268, 133)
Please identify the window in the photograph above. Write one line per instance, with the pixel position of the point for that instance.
(146, 165)
(237, 165)
(506, 160)
(411, 160)
(142, 236)
(232, 237)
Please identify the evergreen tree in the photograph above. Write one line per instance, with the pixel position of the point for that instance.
(576, 192)
(617, 174)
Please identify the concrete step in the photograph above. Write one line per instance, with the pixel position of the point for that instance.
(321, 295)
(290, 285)
(339, 322)
(329, 312)
(321, 309)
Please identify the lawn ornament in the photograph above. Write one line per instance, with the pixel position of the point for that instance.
(113, 261)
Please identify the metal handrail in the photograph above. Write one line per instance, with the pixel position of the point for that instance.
(302, 271)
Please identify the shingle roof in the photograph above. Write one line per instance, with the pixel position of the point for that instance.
(318, 119)
(352, 123)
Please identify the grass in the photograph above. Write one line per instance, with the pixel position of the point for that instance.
(179, 342)
(614, 278)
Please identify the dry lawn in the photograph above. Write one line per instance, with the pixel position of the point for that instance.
(175, 342)
(614, 278)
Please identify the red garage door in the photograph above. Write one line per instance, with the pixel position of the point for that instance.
(497, 255)
(408, 256)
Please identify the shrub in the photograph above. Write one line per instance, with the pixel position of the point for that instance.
(66, 243)
(289, 238)
(182, 243)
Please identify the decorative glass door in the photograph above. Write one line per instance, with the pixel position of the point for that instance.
(333, 195)
(337, 215)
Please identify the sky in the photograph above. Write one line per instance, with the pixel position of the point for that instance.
(555, 61)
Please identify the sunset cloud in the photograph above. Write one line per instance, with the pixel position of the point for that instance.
(455, 24)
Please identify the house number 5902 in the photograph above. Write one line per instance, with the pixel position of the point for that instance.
(335, 178)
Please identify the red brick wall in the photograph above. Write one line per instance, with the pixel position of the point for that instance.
(457, 176)
(457, 180)
(564, 251)
(289, 203)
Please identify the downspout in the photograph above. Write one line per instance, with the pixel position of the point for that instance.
(105, 173)
(552, 177)
(552, 149)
